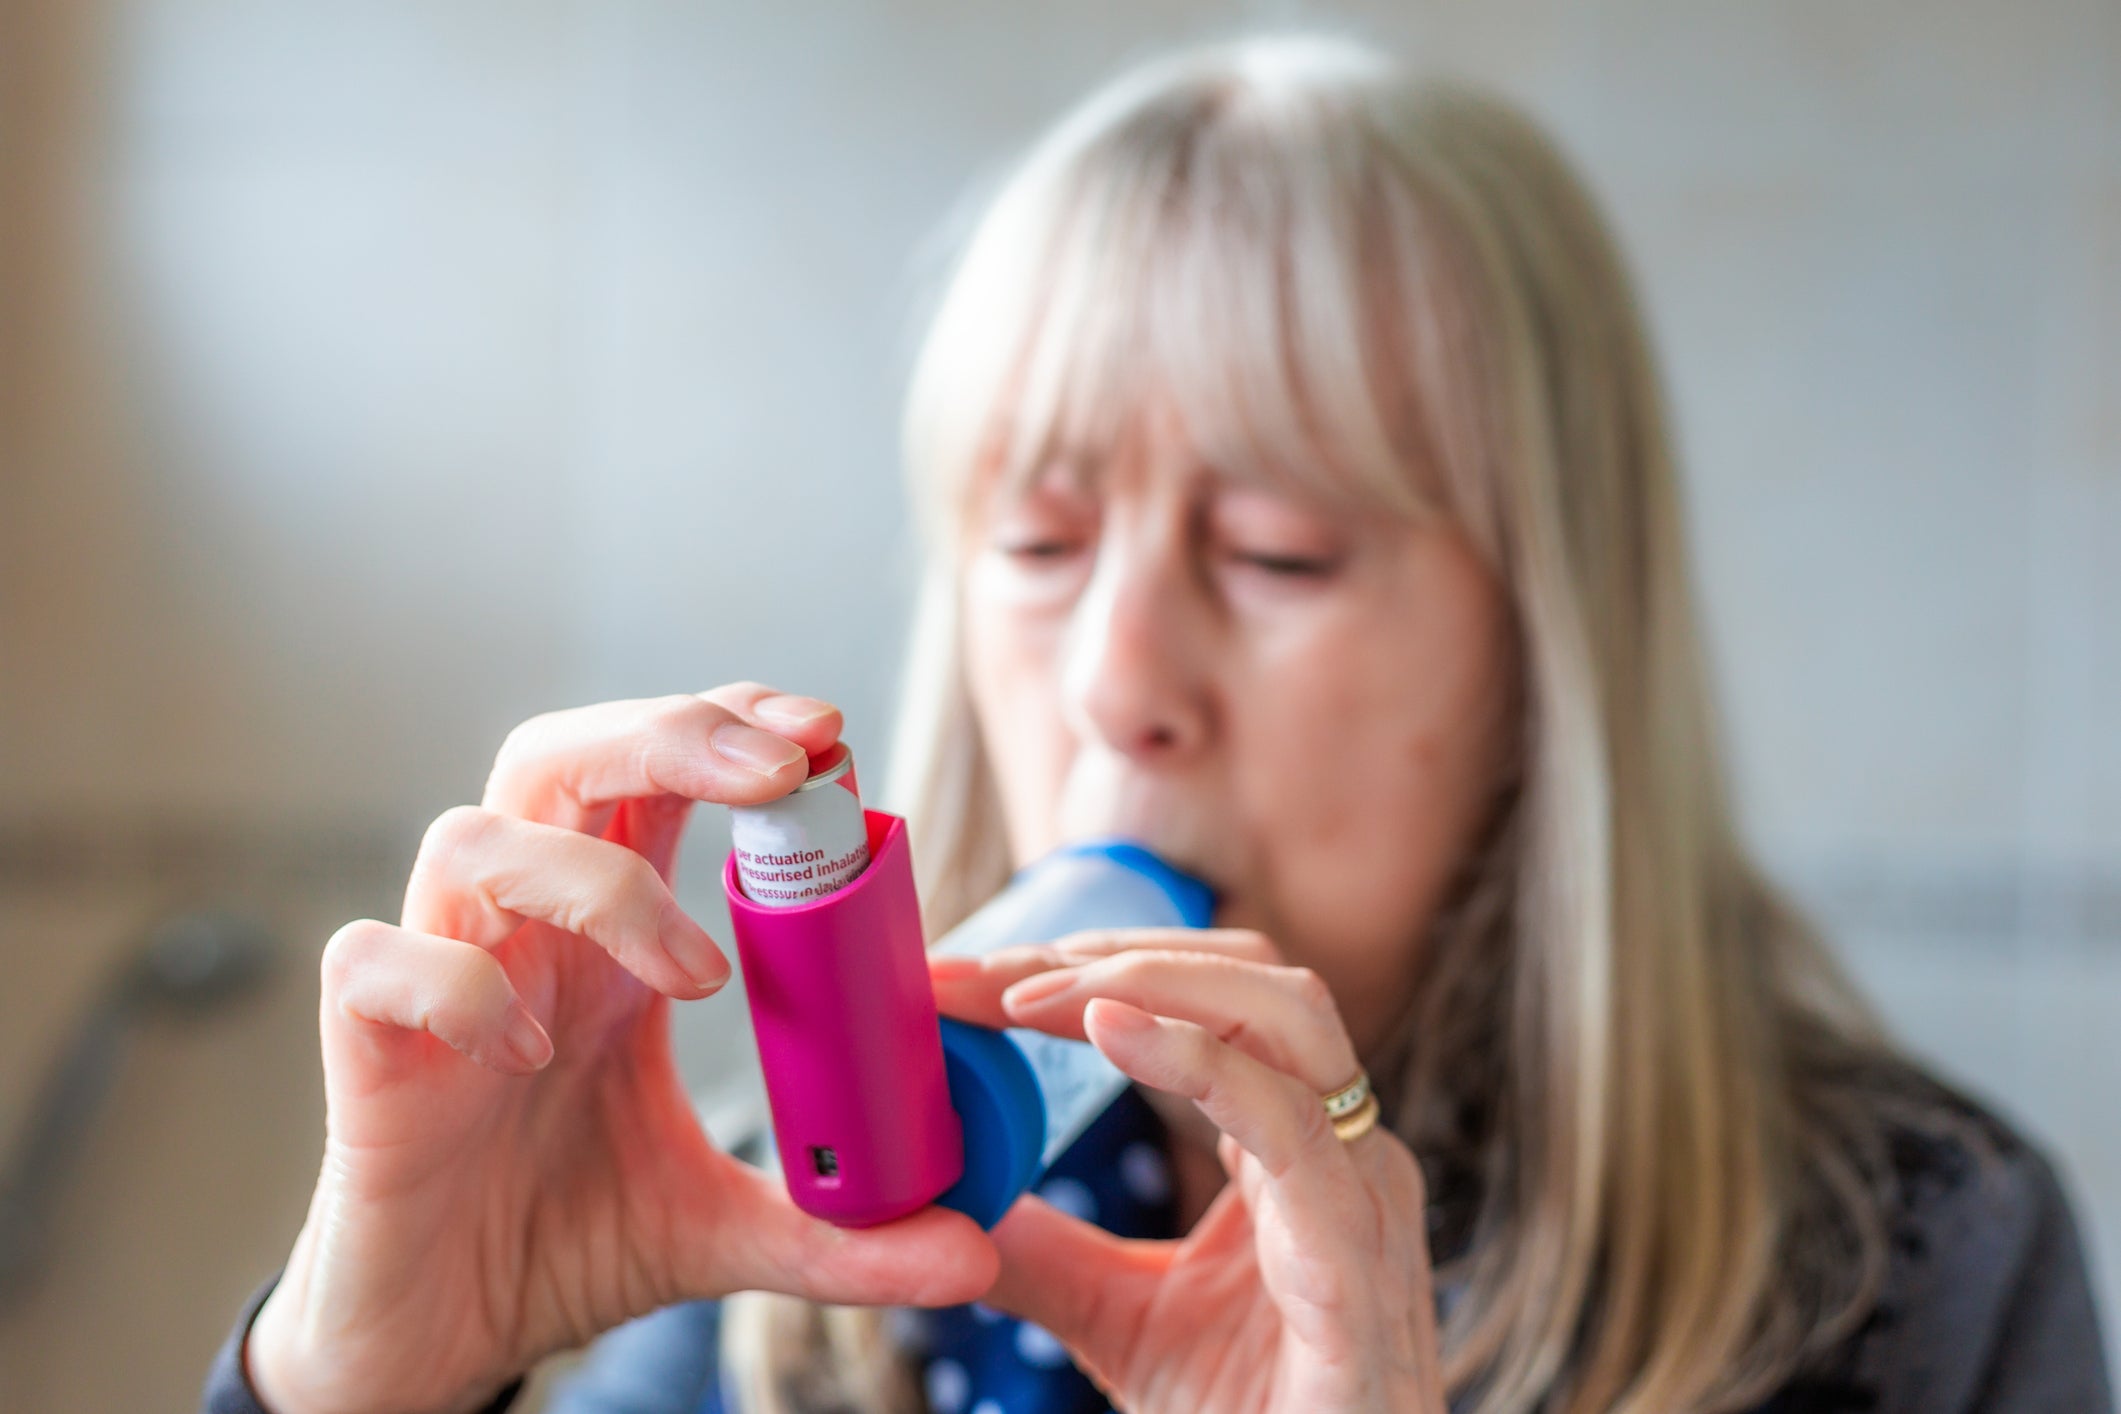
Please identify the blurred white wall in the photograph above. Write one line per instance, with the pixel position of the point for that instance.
(475, 359)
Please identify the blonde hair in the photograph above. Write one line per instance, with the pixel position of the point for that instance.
(1398, 294)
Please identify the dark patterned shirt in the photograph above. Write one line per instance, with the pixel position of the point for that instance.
(1986, 1308)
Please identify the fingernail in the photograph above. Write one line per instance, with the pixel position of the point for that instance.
(691, 949)
(524, 1039)
(753, 749)
(1037, 989)
(794, 710)
(953, 968)
(1118, 1016)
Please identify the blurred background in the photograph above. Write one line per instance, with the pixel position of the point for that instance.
(376, 374)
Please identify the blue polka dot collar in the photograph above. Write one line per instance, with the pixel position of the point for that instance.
(976, 1360)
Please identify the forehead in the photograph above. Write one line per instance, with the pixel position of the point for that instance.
(1153, 449)
(1162, 393)
(1215, 298)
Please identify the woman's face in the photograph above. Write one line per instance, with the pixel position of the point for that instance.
(1306, 708)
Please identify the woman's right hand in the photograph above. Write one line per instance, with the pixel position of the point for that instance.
(511, 1162)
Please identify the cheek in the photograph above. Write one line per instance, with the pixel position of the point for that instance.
(1381, 747)
(1011, 672)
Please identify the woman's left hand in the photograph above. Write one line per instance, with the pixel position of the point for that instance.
(1306, 1285)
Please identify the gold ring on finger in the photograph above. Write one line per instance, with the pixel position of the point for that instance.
(1353, 1108)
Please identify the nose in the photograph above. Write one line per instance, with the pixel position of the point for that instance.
(1133, 661)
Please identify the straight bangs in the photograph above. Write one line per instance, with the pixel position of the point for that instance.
(1242, 260)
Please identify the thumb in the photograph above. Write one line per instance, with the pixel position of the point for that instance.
(763, 1242)
(1089, 1288)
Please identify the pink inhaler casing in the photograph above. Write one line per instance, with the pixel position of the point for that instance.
(849, 1040)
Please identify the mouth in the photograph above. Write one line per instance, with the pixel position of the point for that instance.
(1187, 864)
(1178, 826)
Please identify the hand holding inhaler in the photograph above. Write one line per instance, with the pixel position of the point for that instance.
(512, 1162)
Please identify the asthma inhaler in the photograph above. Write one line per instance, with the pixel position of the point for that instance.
(841, 1005)
(880, 1107)
(1025, 1096)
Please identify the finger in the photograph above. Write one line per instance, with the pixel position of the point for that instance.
(1246, 1174)
(653, 825)
(399, 980)
(570, 768)
(1230, 1154)
(1284, 1016)
(809, 722)
(1275, 1117)
(1089, 1288)
(932, 1258)
(480, 874)
(970, 988)
(1246, 943)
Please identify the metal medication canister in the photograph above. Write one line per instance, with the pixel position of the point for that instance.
(809, 843)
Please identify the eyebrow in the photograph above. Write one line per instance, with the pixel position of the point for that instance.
(1077, 468)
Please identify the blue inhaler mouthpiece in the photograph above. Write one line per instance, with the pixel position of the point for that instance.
(1023, 1096)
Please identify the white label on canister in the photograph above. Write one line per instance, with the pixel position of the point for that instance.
(1078, 1084)
(800, 847)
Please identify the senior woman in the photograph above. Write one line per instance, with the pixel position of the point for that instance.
(1300, 503)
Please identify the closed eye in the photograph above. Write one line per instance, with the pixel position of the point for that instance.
(1039, 549)
(1289, 566)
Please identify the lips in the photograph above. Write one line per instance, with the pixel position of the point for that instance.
(1106, 795)
(1165, 844)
